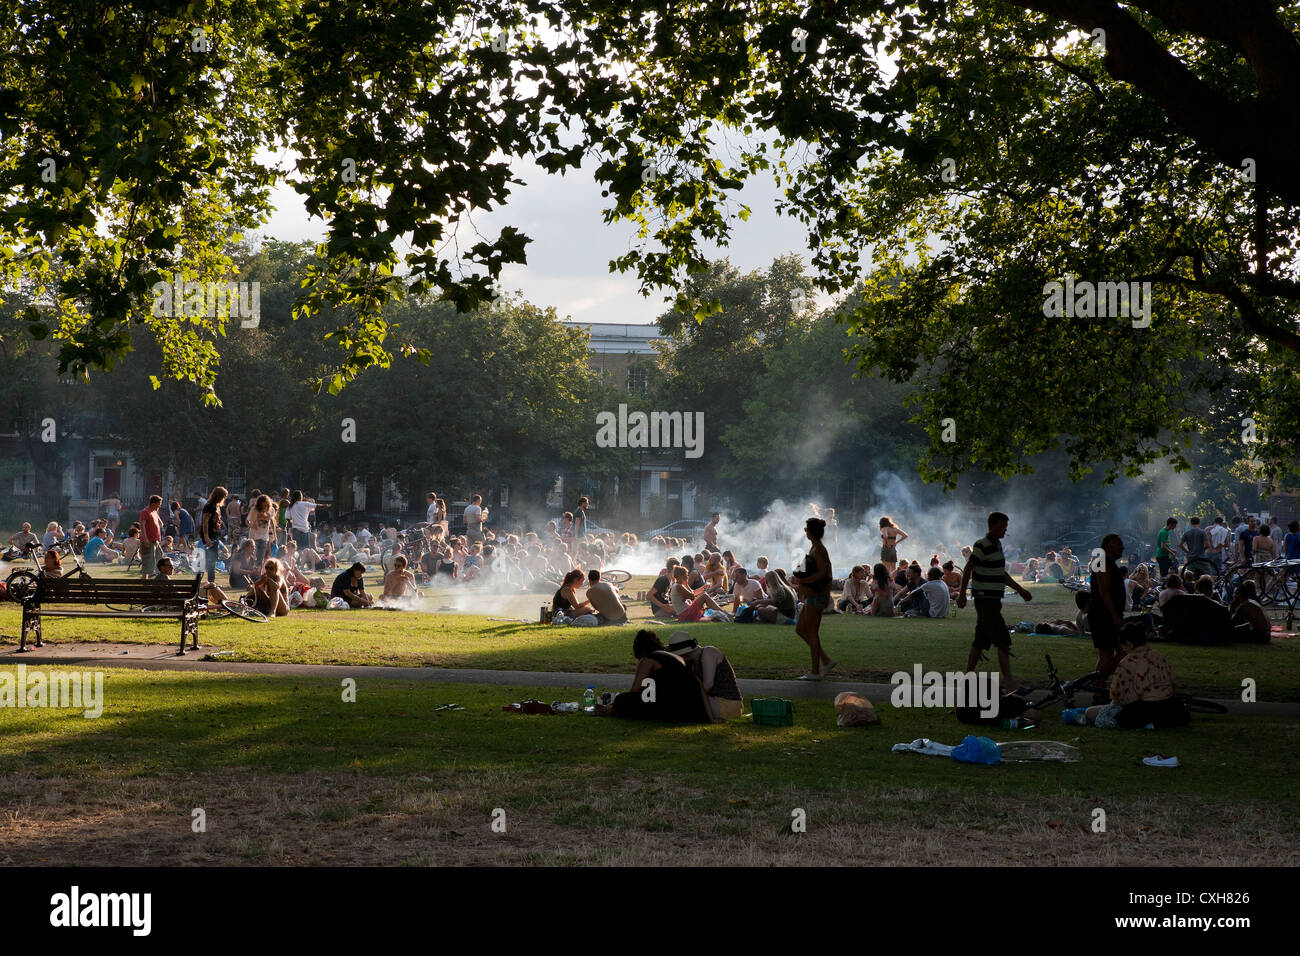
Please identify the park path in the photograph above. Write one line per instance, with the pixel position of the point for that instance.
(163, 657)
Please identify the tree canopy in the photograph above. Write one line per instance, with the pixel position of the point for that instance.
(969, 153)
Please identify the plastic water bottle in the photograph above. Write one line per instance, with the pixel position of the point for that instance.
(589, 701)
(1010, 724)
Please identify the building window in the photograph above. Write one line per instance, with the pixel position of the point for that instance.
(636, 379)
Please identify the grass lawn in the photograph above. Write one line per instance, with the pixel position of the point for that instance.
(868, 649)
(285, 772)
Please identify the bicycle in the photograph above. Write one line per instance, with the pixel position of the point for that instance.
(1065, 691)
(210, 612)
(21, 584)
(616, 576)
(1060, 691)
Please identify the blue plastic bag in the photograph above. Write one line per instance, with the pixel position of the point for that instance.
(977, 750)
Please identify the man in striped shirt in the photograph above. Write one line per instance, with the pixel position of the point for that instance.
(986, 573)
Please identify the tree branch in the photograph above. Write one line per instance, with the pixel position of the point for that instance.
(1232, 131)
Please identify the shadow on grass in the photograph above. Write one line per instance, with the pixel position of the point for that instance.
(165, 722)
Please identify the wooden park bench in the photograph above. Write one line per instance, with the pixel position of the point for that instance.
(80, 595)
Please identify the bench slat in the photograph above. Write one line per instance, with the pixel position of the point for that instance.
(167, 615)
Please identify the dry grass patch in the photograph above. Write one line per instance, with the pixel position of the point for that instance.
(352, 819)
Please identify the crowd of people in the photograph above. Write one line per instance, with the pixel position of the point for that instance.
(274, 554)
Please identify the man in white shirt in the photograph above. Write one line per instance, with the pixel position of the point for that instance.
(1218, 535)
(474, 517)
(299, 509)
(745, 590)
(364, 535)
(431, 513)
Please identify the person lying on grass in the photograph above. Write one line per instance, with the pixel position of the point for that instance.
(399, 584)
(664, 688)
(351, 586)
(1142, 691)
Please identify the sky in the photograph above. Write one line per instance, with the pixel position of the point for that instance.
(568, 259)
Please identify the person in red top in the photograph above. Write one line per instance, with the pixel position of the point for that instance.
(151, 529)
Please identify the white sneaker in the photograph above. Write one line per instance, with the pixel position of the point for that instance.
(811, 677)
(1160, 760)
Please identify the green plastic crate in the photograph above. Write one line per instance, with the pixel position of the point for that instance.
(773, 711)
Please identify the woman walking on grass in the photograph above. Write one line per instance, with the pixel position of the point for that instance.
(815, 589)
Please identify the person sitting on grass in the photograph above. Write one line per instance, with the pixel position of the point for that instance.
(936, 593)
(760, 563)
(1173, 586)
(714, 672)
(778, 607)
(744, 592)
(952, 578)
(911, 600)
(1142, 692)
(270, 592)
(98, 550)
(399, 584)
(1196, 618)
(660, 603)
(473, 562)
(603, 596)
(882, 600)
(242, 566)
(565, 602)
(1082, 602)
(351, 586)
(856, 596)
(165, 569)
(715, 575)
(1249, 622)
(689, 604)
(664, 688)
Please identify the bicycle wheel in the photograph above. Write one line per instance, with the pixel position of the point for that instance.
(239, 609)
(1201, 706)
(20, 584)
(616, 576)
(213, 612)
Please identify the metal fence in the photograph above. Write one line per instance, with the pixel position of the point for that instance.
(37, 509)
